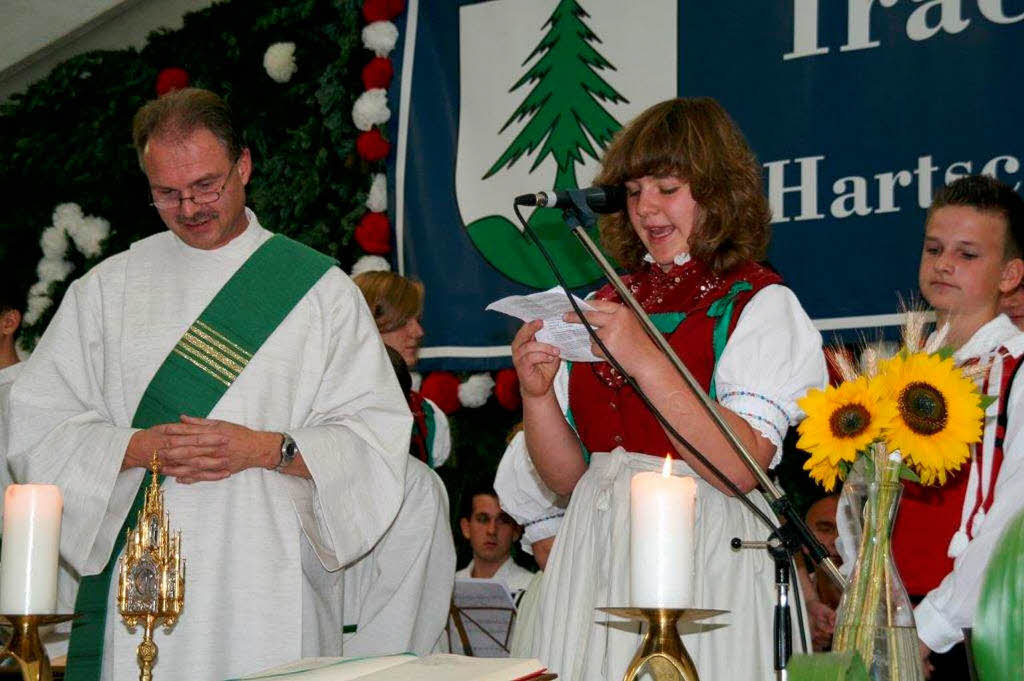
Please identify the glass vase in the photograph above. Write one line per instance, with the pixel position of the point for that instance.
(875, 616)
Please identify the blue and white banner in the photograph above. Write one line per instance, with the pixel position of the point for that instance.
(859, 110)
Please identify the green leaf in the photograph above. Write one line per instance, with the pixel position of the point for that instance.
(907, 473)
(999, 620)
(945, 352)
(827, 667)
(985, 400)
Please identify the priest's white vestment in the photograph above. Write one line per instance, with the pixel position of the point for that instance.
(398, 595)
(264, 549)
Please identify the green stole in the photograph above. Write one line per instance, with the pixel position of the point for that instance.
(194, 376)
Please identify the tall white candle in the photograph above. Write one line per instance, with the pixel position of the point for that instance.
(31, 542)
(662, 507)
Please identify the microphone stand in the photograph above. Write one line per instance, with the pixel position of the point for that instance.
(792, 534)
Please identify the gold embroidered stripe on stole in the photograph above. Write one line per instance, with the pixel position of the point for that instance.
(220, 340)
(202, 368)
(212, 352)
(207, 361)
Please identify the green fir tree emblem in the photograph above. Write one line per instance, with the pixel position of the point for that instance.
(566, 118)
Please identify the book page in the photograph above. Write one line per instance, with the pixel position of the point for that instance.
(487, 611)
(459, 668)
(331, 668)
(571, 339)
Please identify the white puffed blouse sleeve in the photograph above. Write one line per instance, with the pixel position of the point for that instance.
(773, 357)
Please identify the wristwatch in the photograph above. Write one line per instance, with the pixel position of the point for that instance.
(288, 451)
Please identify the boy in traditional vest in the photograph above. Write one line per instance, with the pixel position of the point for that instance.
(944, 535)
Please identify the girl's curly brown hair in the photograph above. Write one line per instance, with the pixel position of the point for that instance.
(695, 140)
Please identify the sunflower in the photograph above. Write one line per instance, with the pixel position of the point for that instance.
(938, 413)
(841, 421)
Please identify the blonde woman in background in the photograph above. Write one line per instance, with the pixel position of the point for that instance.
(396, 303)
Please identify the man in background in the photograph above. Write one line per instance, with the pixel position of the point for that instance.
(820, 594)
(490, 532)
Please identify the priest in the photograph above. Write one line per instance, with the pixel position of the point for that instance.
(252, 367)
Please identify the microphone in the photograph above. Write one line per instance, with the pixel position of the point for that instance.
(599, 198)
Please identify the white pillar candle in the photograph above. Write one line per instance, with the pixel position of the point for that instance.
(31, 542)
(662, 507)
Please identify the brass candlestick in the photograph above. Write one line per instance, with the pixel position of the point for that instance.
(26, 648)
(151, 580)
(662, 650)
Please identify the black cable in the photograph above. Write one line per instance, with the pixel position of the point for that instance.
(528, 231)
(798, 591)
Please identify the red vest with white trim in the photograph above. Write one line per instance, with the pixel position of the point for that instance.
(929, 517)
(607, 412)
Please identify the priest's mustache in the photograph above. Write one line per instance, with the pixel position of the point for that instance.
(197, 219)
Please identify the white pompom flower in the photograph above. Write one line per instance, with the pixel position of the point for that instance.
(474, 391)
(35, 308)
(89, 234)
(371, 108)
(377, 199)
(380, 37)
(52, 269)
(279, 62)
(370, 263)
(66, 216)
(54, 241)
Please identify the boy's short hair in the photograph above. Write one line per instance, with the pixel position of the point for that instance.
(988, 195)
(474, 490)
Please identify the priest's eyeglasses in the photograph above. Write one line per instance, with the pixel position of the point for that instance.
(172, 198)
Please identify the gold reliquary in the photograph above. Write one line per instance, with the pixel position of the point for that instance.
(151, 579)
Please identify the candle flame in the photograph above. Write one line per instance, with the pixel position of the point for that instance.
(666, 470)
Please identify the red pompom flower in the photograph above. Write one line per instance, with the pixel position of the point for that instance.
(442, 387)
(378, 73)
(373, 233)
(382, 10)
(506, 389)
(171, 78)
(372, 146)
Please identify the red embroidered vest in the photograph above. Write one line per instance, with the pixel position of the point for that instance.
(418, 441)
(607, 413)
(930, 516)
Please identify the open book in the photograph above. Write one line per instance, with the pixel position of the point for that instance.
(405, 668)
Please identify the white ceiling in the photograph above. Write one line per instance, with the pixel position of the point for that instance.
(36, 35)
(28, 25)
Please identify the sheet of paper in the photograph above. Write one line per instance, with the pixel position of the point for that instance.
(486, 610)
(571, 339)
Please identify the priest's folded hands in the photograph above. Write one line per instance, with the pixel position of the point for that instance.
(196, 449)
